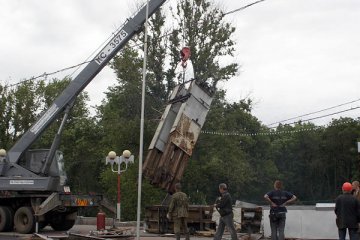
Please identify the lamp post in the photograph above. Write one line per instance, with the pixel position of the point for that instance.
(125, 158)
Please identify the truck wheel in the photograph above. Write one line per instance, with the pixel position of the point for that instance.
(24, 220)
(6, 219)
(60, 222)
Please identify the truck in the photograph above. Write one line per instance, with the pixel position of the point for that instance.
(33, 190)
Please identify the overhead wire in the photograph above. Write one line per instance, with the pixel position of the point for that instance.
(44, 75)
(311, 113)
(327, 115)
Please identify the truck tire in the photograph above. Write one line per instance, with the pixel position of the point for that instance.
(59, 222)
(24, 220)
(6, 219)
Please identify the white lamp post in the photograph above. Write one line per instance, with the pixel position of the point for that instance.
(125, 158)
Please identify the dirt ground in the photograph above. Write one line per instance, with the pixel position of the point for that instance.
(90, 232)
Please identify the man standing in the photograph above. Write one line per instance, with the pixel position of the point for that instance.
(224, 207)
(178, 211)
(278, 199)
(356, 193)
(356, 189)
(347, 210)
(184, 71)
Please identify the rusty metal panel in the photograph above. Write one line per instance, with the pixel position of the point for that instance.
(176, 135)
(186, 134)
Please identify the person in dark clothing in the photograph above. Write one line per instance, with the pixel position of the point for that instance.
(278, 199)
(356, 189)
(224, 206)
(347, 210)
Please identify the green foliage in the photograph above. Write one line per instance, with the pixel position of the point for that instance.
(226, 158)
(19, 105)
(6, 117)
(202, 27)
(22, 104)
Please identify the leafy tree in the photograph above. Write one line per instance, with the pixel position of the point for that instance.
(22, 104)
(226, 157)
(18, 110)
(340, 157)
(202, 27)
(294, 152)
(6, 116)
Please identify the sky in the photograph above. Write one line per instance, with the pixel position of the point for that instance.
(296, 56)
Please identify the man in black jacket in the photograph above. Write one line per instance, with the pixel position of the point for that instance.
(347, 210)
(224, 206)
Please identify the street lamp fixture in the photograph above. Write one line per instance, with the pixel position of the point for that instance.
(126, 158)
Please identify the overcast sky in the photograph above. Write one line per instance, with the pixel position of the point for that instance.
(296, 56)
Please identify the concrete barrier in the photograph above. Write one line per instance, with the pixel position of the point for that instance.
(306, 222)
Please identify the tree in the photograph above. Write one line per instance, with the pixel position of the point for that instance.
(22, 104)
(339, 151)
(202, 27)
(18, 110)
(225, 156)
(294, 151)
(6, 116)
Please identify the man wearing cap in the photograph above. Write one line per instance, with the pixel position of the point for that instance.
(347, 210)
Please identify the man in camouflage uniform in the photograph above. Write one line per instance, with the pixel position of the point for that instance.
(178, 211)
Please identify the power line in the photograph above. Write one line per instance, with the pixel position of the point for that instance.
(330, 114)
(242, 8)
(44, 75)
(307, 114)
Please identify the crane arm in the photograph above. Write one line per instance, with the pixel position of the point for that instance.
(121, 37)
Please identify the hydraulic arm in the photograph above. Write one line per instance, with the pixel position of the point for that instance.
(131, 27)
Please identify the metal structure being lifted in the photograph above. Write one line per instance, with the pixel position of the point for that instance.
(177, 133)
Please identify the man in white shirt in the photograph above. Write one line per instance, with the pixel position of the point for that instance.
(184, 70)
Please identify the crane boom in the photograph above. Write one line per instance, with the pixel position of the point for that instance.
(122, 36)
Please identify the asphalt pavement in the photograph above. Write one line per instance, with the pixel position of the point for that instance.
(113, 230)
(90, 230)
